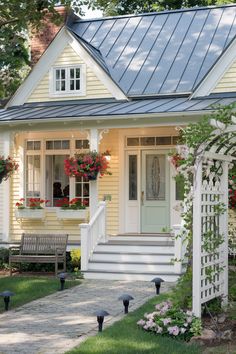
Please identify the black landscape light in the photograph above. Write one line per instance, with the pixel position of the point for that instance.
(6, 298)
(157, 282)
(126, 299)
(62, 277)
(100, 318)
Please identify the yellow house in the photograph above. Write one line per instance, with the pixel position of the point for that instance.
(123, 84)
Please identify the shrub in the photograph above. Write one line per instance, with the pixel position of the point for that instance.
(4, 258)
(171, 321)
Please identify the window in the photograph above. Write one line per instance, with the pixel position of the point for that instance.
(68, 80)
(152, 140)
(44, 171)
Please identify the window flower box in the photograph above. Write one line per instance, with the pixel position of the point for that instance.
(80, 214)
(27, 213)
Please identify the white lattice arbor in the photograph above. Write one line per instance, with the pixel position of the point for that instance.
(210, 216)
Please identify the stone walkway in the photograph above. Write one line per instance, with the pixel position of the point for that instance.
(63, 320)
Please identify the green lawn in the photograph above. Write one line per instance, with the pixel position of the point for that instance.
(124, 337)
(30, 288)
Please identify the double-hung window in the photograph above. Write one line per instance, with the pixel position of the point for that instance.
(68, 80)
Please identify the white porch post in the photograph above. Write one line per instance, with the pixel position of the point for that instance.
(196, 285)
(94, 141)
(178, 249)
(6, 190)
(224, 230)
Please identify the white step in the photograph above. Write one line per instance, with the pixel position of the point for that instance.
(131, 266)
(134, 248)
(143, 237)
(171, 277)
(132, 257)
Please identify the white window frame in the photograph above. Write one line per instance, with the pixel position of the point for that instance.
(67, 92)
(43, 152)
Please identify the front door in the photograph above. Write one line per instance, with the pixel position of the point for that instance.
(155, 209)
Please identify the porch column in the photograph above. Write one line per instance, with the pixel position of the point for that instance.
(94, 141)
(5, 186)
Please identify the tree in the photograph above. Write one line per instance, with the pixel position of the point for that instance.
(15, 19)
(122, 7)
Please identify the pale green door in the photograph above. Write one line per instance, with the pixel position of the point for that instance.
(155, 207)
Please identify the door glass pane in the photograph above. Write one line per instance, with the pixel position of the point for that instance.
(32, 177)
(155, 177)
(132, 177)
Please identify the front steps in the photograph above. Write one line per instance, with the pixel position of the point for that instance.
(133, 257)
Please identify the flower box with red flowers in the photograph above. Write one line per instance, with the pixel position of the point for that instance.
(87, 165)
(33, 210)
(73, 209)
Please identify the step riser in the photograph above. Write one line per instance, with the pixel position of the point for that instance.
(131, 277)
(142, 238)
(122, 267)
(132, 257)
(134, 248)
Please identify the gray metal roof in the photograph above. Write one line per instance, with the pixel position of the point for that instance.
(112, 108)
(160, 53)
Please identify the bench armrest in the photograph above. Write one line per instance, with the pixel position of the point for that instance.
(60, 251)
(14, 248)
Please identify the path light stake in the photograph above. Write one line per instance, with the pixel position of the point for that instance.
(100, 318)
(157, 282)
(6, 298)
(62, 277)
(126, 299)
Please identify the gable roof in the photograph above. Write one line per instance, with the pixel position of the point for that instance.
(163, 53)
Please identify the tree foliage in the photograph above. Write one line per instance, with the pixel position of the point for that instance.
(15, 18)
(123, 7)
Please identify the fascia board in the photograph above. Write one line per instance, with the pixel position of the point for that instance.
(99, 72)
(40, 69)
(217, 72)
(105, 118)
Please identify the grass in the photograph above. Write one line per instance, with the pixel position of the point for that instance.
(124, 337)
(27, 289)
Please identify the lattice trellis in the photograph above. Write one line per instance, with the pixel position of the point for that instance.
(210, 233)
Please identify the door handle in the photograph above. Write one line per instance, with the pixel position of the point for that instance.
(142, 197)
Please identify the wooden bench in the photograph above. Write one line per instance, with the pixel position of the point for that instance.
(35, 248)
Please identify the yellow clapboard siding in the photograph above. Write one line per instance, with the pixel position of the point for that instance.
(94, 88)
(228, 82)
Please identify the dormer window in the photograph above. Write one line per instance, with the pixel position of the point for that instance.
(68, 80)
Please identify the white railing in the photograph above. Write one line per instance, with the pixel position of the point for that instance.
(92, 233)
(180, 248)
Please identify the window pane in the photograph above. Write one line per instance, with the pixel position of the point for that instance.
(148, 141)
(57, 182)
(49, 145)
(82, 144)
(132, 177)
(63, 85)
(132, 141)
(30, 145)
(63, 74)
(77, 84)
(163, 140)
(37, 145)
(32, 176)
(57, 74)
(155, 177)
(72, 85)
(77, 73)
(78, 189)
(72, 73)
(57, 144)
(57, 85)
(65, 144)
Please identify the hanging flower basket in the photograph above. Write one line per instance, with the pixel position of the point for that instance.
(7, 167)
(87, 165)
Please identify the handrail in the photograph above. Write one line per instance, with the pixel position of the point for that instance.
(92, 233)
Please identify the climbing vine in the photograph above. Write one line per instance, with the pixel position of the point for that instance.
(194, 140)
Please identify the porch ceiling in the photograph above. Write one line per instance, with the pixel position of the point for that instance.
(112, 109)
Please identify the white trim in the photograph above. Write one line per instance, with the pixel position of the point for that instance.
(40, 69)
(216, 72)
(62, 39)
(6, 191)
